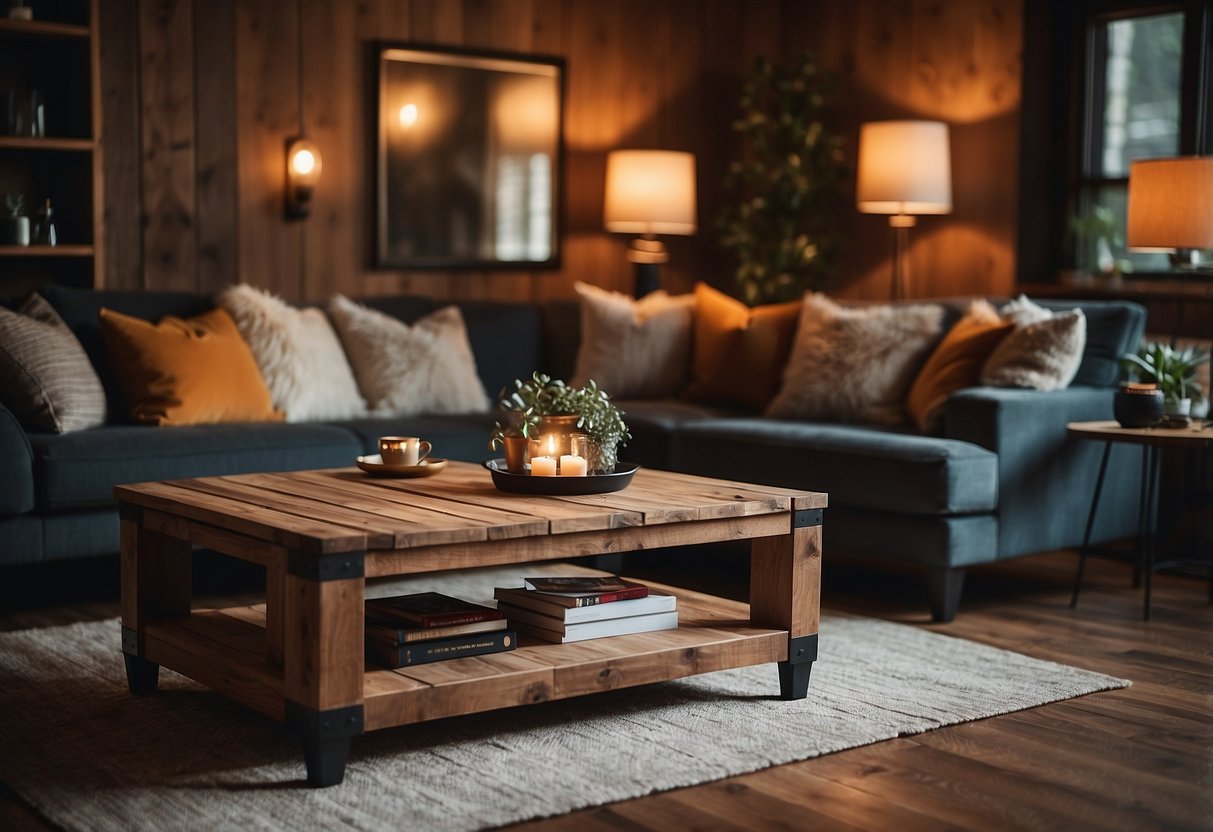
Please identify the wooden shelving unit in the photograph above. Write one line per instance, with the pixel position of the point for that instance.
(59, 58)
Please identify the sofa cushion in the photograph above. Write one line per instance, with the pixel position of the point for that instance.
(16, 467)
(45, 377)
(1113, 329)
(81, 308)
(652, 423)
(1042, 352)
(191, 371)
(79, 470)
(859, 467)
(299, 355)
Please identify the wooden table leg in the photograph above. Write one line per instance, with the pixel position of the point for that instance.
(323, 658)
(785, 592)
(156, 583)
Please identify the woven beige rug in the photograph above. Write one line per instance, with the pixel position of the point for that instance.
(86, 754)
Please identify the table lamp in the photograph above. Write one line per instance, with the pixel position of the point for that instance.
(1171, 208)
(904, 171)
(649, 192)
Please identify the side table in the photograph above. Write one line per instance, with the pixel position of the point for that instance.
(1153, 440)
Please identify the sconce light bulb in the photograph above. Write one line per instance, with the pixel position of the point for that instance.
(303, 162)
(408, 115)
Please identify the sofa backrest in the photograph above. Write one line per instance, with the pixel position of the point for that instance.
(1114, 327)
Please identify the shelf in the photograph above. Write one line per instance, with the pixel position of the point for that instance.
(47, 251)
(23, 143)
(40, 29)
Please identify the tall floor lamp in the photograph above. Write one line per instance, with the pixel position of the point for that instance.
(649, 192)
(904, 171)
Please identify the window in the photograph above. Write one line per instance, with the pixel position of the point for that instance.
(1146, 95)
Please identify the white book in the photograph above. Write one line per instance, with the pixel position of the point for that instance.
(655, 601)
(599, 629)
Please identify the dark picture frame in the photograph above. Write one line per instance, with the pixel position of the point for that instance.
(469, 159)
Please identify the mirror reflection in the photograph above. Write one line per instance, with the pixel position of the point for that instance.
(469, 159)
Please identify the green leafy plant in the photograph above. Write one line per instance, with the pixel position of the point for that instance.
(1173, 370)
(1097, 234)
(14, 205)
(781, 195)
(527, 401)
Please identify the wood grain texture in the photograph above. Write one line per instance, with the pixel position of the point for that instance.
(322, 642)
(156, 577)
(785, 581)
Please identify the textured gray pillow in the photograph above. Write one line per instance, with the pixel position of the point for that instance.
(1041, 353)
(46, 380)
(855, 364)
(405, 370)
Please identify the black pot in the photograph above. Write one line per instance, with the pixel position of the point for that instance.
(1138, 409)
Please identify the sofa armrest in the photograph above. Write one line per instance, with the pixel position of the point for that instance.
(1045, 476)
(16, 467)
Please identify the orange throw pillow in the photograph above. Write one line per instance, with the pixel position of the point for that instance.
(186, 372)
(738, 353)
(956, 362)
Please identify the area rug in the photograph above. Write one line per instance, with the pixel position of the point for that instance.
(86, 754)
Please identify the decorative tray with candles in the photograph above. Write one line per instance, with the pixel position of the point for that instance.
(528, 483)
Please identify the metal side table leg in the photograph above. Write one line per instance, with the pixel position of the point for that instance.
(1086, 538)
(1149, 541)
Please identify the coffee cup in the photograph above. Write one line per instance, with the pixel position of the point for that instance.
(403, 450)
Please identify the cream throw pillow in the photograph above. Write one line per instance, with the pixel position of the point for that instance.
(855, 364)
(407, 370)
(634, 349)
(299, 356)
(1043, 352)
(46, 379)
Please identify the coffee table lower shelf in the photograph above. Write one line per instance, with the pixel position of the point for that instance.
(227, 651)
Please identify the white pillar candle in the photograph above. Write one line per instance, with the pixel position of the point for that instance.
(572, 465)
(543, 466)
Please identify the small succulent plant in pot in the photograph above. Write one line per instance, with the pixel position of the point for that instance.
(528, 405)
(1173, 370)
(14, 224)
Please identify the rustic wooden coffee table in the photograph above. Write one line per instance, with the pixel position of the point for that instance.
(321, 534)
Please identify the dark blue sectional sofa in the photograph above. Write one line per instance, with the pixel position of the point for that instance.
(1002, 480)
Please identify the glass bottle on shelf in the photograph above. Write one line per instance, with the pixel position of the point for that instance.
(44, 226)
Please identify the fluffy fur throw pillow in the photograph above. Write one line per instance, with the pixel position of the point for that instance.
(298, 354)
(406, 370)
(1043, 352)
(639, 349)
(855, 364)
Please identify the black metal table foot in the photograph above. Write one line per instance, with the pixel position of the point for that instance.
(794, 680)
(142, 676)
(326, 739)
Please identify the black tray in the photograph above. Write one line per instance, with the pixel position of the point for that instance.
(505, 480)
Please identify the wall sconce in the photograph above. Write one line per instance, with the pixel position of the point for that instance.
(302, 174)
(904, 170)
(649, 192)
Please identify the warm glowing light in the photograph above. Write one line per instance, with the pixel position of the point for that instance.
(408, 115)
(304, 161)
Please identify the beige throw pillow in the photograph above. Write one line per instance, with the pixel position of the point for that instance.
(407, 370)
(634, 349)
(855, 364)
(1043, 352)
(46, 379)
(299, 356)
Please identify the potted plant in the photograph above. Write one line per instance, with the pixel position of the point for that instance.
(14, 225)
(1173, 370)
(537, 405)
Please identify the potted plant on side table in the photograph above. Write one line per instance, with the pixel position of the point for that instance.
(1174, 371)
(542, 405)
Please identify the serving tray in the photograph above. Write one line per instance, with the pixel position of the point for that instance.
(506, 480)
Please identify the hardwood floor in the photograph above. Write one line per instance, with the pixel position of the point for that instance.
(1132, 759)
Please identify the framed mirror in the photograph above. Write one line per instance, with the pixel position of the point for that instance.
(470, 153)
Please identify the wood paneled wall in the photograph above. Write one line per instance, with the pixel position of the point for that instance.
(200, 96)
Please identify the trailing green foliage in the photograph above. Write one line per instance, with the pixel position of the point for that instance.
(781, 196)
(541, 395)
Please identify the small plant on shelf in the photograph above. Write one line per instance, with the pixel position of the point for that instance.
(14, 225)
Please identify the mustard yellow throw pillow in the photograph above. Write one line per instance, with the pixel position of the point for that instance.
(738, 353)
(956, 362)
(186, 372)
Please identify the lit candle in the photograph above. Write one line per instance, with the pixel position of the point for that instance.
(543, 466)
(572, 465)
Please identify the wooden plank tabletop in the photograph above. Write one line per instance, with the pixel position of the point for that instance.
(343, 509)
(1194, 435)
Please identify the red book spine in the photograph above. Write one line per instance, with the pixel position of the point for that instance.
(618, 595)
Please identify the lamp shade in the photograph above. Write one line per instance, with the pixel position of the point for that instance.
(904, 168)
(1171, 204)
(650, 192)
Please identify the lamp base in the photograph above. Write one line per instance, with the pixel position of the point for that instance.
(648, 279)
(647, 254)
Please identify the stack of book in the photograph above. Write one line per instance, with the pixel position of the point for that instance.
(429, 627)
(562, 609)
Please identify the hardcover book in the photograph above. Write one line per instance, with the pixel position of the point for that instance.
(540, 604)
(387, 631)
(578, 584)
(430, 609)
(599, 629)
(588, 599)
(440, 649)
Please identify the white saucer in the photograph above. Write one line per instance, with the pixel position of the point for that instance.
(374, 464)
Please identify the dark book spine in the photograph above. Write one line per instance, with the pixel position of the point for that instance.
(608, 597)
(435, 619)
(456, 647)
